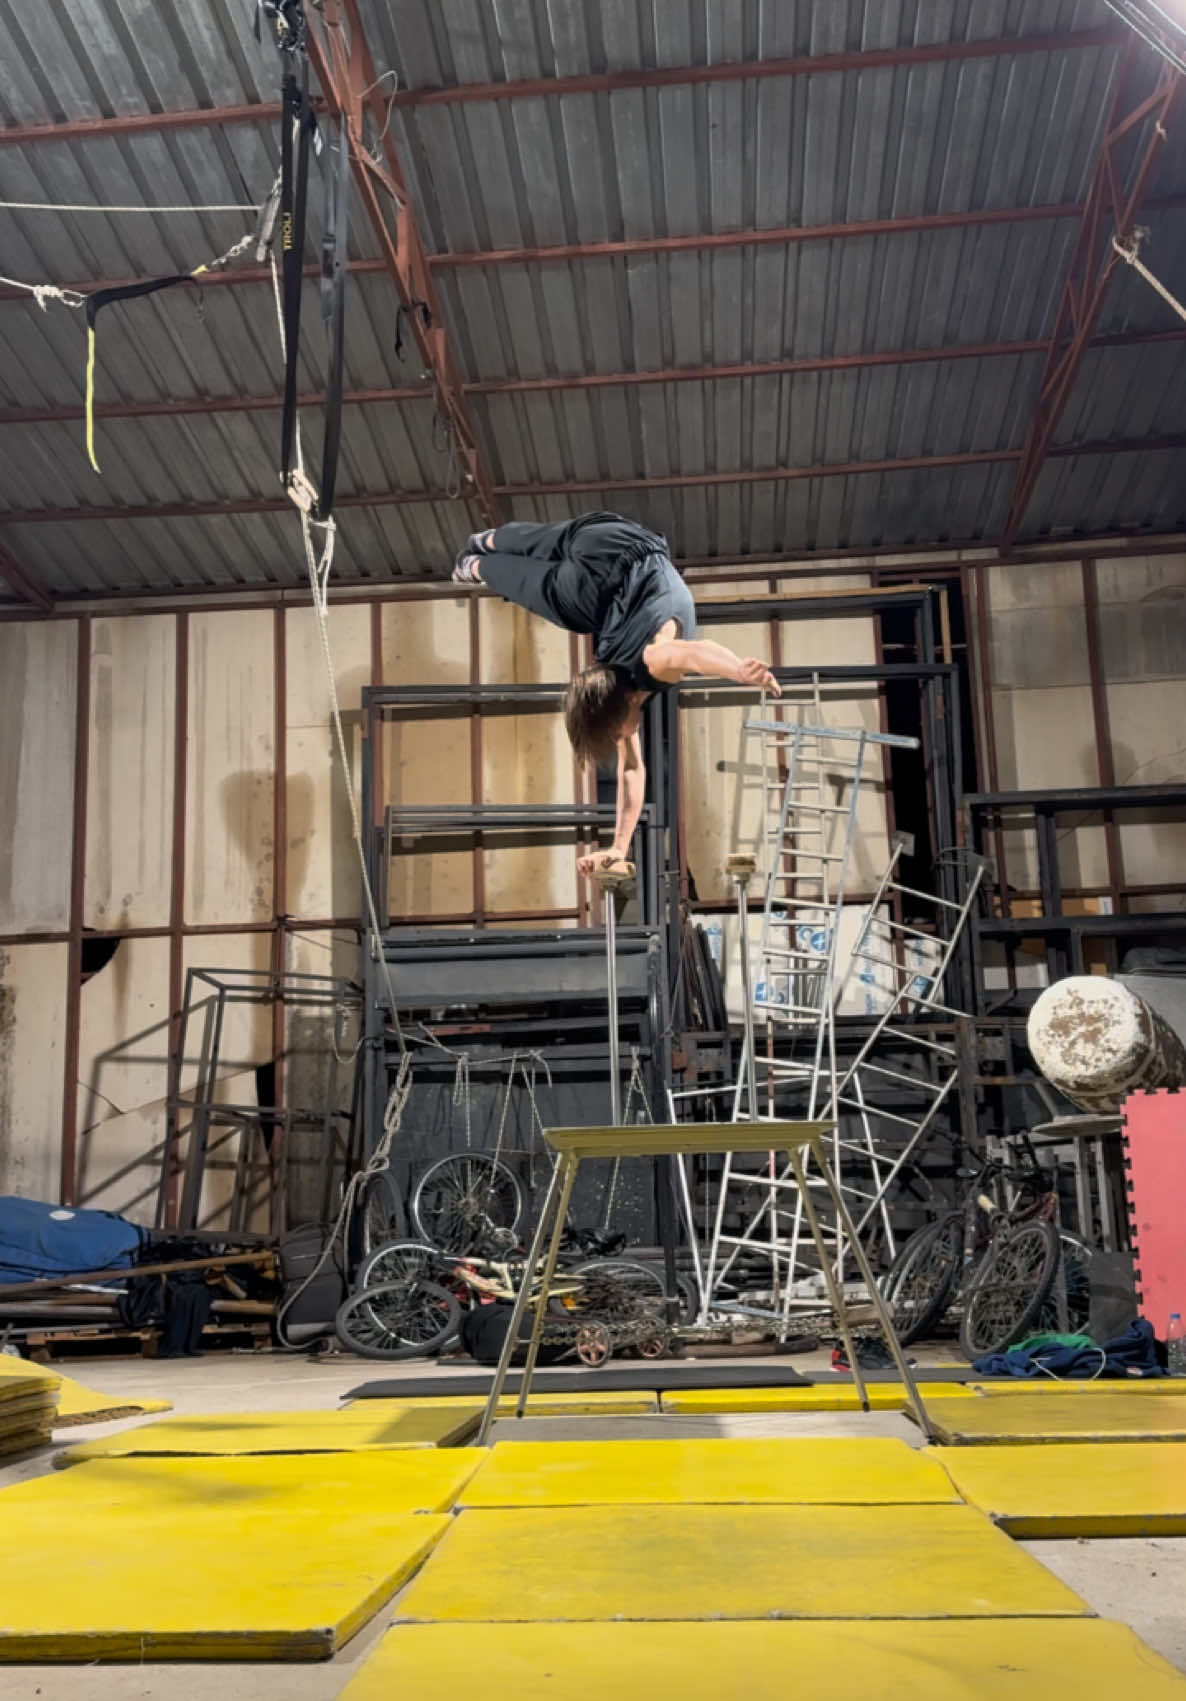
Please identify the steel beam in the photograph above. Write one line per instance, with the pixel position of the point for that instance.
(784, 234)
(140, 123)
(1109, 213)
(607, 82)
(18, 581)
(586, 381)
(342, 60)
(913, 224)
(666, 481)
(806, 65)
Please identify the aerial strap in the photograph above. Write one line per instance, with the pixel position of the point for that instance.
(333, 304)
(295, 138)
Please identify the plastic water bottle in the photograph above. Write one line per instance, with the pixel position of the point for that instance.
(1175, 1344)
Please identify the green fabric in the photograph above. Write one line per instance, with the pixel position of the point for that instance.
(1045, 1339)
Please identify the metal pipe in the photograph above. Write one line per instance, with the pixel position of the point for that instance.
(611, 980)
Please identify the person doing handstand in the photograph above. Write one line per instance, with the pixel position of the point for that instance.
(612, 579)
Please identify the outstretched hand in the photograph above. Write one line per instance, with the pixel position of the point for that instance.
(755, 672)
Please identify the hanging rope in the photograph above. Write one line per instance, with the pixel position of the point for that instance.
(1130, 255)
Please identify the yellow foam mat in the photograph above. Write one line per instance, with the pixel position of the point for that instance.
(222, 1583)
(34, 1408)
(403, 1480)
(735, 1471)
(77, 1403)
(1080, 1490)
(965, 1661)
(1104, 1385)
(718, 1562)
(596, 1402)
(826, 1397)
(23, 1440)
(1063, 1416)
(287, 1432)
(23, 1382)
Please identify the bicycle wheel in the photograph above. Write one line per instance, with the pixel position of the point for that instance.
(397, 1261)
(397, 1320)
(626, 1280)
(1075, 1270)
(379, 1213)
(462, 1199)
(1009, 1288)
(921, 1279)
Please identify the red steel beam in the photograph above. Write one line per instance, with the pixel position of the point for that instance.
(140, 123)
(584, 381)
(667, 481)
(730, 71)
(784, 234)
(1109, 211)
(597, 82)
(14, 576)
(348, 77)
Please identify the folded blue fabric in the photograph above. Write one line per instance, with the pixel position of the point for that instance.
(39, 1240)
(1133, 1354)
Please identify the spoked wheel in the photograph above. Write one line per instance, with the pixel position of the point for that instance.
(461, 1200)
(398, 1320)
(1075, 1271)
(655, 1346)
(593, 1344)
(921, 1279)
(1009, 1289)
(398, 1261)
(379, 1214)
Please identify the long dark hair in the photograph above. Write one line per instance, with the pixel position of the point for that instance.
(595, 708)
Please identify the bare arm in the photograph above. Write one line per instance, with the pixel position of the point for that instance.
(632, 785)
(668, 659)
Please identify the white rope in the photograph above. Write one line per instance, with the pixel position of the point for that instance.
(1130, 254)
(44, 293)
(79, 207)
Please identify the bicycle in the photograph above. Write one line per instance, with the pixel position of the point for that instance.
(999, 1266)
(409, 1298)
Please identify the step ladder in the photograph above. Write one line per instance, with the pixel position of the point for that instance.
(812, 776)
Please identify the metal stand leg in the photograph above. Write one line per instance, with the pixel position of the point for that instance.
(611, 979)
(845, 1223)
(835, 1292)
(520, 1305)
(569, 1167)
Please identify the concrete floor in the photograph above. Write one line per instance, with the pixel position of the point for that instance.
(1140, 1582)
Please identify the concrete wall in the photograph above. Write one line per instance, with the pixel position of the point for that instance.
(1045, 717)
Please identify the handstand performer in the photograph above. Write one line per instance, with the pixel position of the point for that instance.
(613, 579)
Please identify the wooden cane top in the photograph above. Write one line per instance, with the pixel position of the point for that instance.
(616, 877)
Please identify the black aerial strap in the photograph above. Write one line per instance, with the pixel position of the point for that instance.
(333, 301)
(95, 303)
(296, 119)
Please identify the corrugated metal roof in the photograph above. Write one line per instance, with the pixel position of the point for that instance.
(631, 164)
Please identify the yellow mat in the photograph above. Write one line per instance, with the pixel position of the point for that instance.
(968, 1661)
(78, 1403)
(827, 1397)
(596, 1402)
(736, 1471)
(710, 1562)
(1105, 1385)
(224, 1584)
(1121, 1416)
(286, 1432)
(23, 1441)
(1079, 1490)
(21, 1381)
(421, 1479)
